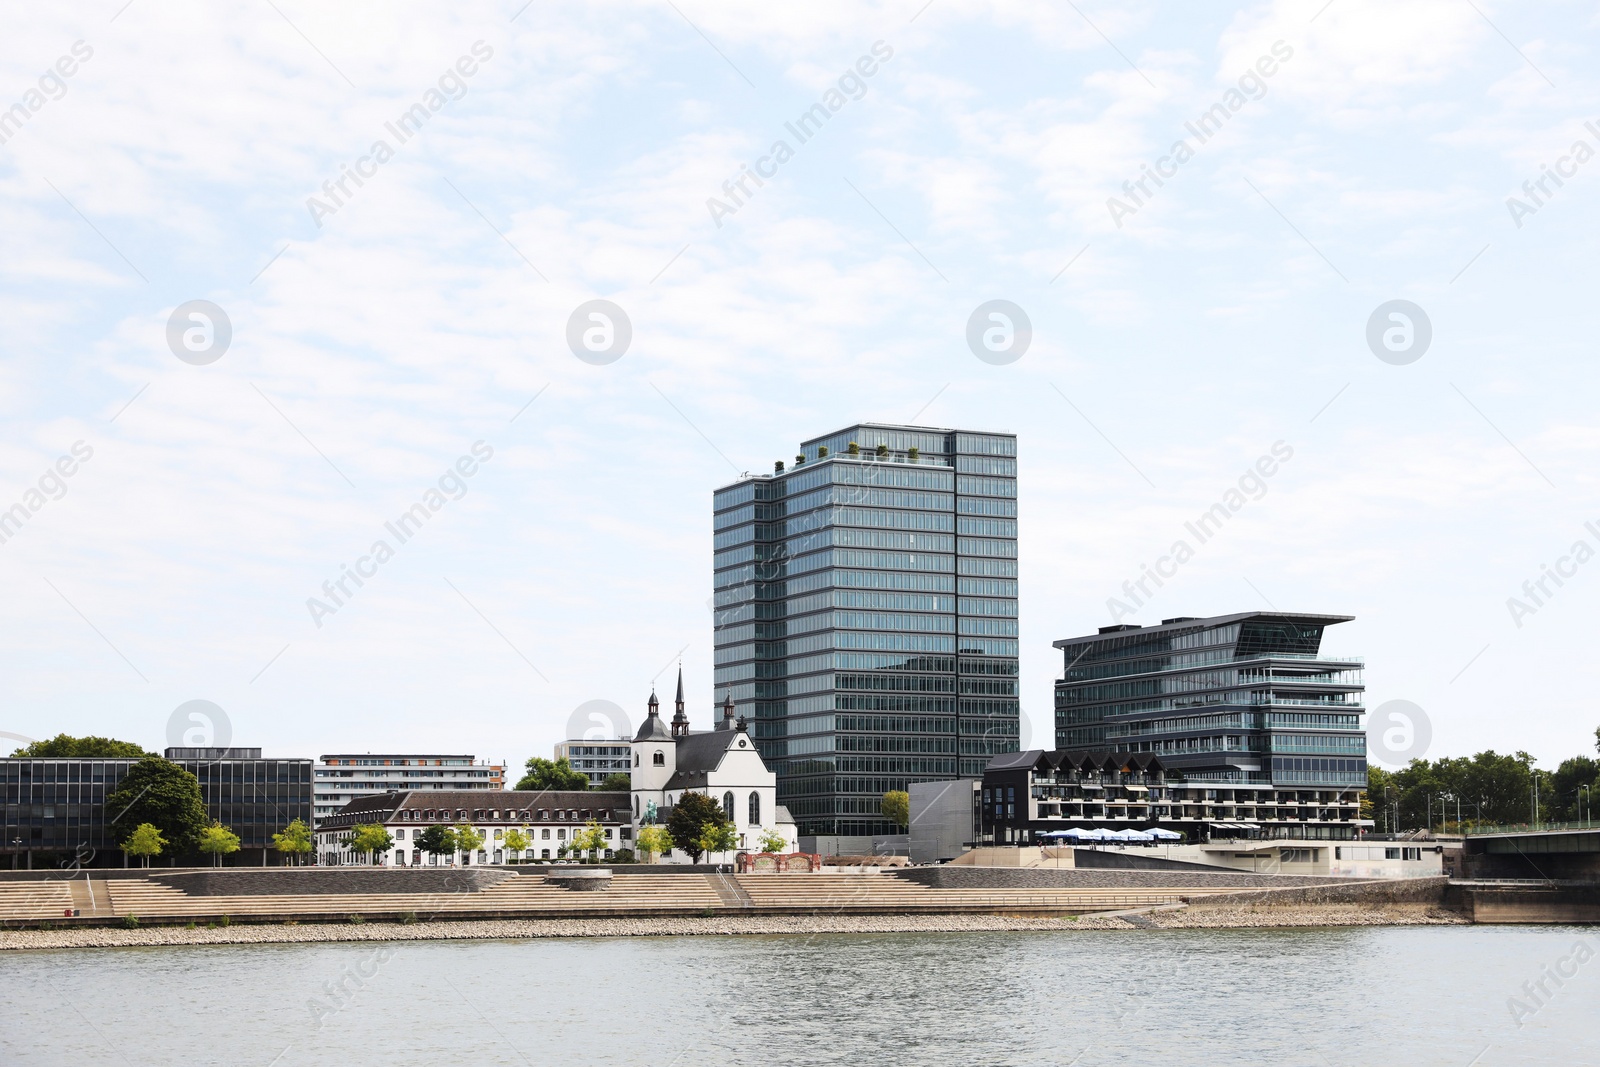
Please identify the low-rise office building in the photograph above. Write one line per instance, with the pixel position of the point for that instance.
(345, 776)
(52, 810)
(597, 759)
(549, 818)
(1029, 793)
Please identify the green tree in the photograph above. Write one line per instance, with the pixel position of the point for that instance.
(468, 839)
(295, 840)
(591, 839)
(1568, 800)
(517, 840)
(94, 747)
(772, 841)
(617, 782)
(896, 807)
(369, 838)
(144, 841)
(438, 839)
(717, 837)
(687, 824)
(653, 841)
(164, 795)
(218, 840)
(552, 774)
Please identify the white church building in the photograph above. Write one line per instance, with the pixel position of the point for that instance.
(722, 763)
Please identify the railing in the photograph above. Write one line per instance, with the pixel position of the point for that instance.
(1532, 828)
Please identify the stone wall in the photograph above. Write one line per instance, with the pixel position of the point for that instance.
(1383, 891)
(956, 877)
(1134, 861)
(276, 880)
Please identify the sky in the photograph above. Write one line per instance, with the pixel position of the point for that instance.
(361, 347)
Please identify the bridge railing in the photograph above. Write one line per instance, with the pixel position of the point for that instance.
(1535, 827)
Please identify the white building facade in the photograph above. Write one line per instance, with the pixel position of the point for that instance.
(722, 763)
(339, 778)
(549, 818)
(597, 759)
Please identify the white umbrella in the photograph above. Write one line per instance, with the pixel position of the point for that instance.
(1162, 834)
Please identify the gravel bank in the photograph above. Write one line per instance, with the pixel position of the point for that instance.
(1182, 918)
(1260, 915)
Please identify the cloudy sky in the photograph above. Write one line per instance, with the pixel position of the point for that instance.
(382, 331)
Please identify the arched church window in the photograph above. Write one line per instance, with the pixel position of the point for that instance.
(755, 808)
(727, 805)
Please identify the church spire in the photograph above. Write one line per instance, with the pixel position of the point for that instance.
(680, 718)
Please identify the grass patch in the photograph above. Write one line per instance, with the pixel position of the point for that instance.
(131, 921)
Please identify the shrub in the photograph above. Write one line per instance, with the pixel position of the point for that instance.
(356, 920)
(408, 918)
(223, 920)
(130, 921)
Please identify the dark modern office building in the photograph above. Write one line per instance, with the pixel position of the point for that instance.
(52, 810)
(1245, 712)
(866, 615)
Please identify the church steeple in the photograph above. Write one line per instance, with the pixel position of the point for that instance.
(680, 718)
(727, 712)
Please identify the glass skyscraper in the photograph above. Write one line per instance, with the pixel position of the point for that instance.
(1247, 699)
(865, 600)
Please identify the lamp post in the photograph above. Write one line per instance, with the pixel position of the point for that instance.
(1586, 807)
(16, 843)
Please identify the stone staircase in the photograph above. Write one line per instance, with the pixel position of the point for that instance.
(46, 898)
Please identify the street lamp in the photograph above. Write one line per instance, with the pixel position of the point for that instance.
(1587, 807)
(16, 844)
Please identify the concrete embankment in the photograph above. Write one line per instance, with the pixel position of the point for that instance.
(1260, 916)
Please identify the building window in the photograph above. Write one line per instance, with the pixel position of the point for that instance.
(727, 806)
(755, 808)
(660, 759)
(544, 835)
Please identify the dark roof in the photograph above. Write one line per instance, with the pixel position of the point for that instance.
(653, 729)
(698, 755)
(1097, 758)
(480, 799)
(1010, 761)
(1215, 620)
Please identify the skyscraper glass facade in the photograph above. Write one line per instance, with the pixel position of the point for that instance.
(865, 605)
(1247, 698)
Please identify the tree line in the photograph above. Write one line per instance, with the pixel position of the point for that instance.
(1487, 789)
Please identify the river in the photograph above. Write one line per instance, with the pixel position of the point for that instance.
(1323, 998)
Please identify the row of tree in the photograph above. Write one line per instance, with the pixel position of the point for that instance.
(1485, 789)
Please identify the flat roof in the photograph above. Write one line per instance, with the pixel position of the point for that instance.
(1199, 623)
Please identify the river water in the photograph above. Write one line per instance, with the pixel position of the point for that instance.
(1323, 998)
